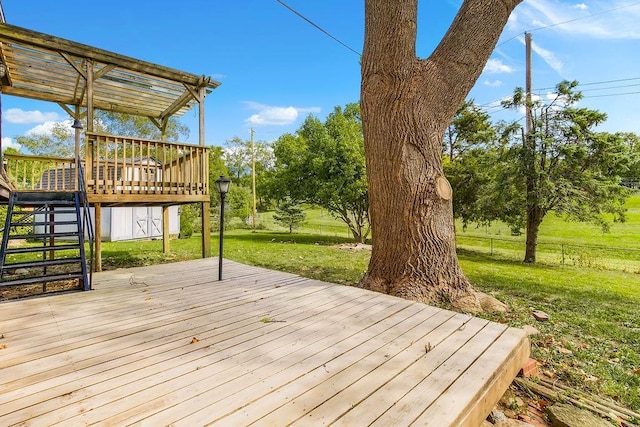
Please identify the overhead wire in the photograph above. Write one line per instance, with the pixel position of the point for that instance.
(597, 83)
(602, 12)
(494, 104)
(319, 27)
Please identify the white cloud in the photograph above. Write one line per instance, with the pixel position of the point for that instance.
(19, 116)
(615, 19)
(46, 127)
(549, 57)
(497, 66)
(8, 142)
(276, 116)
(495, 83)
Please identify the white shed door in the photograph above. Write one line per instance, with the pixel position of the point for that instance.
(155, 221)
(141, 222)
(147, 222)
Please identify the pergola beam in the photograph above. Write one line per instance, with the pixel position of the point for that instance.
(46, 41)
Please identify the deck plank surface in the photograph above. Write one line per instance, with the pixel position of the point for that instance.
(171, 345)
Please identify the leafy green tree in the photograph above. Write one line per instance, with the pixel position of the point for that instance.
(139, 126)
(289, 214)
(469, 156)
(189, 215)
(237, 157)
(324, 164)
(562, 165)
(239, 202)
(632, 142)
(470, 128)
(217, 167)
(59, 142)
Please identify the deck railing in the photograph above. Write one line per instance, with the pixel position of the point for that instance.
(125, 165)
(116, 165)
(41, 173)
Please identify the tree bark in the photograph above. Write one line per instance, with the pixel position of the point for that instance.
(535, 216)
(407, 104)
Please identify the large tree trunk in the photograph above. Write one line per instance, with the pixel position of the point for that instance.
(407, 104)
(535, 215)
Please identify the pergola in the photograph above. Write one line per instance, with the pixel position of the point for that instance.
(49, 68)
(81, 79)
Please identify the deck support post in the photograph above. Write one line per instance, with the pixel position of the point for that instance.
(98, 236)
(206, 206)
(165, 229)
(206, 232)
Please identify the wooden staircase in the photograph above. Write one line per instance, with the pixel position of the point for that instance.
(53, 225)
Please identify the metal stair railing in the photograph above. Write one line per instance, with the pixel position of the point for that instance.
(87, 224)
(23, 221)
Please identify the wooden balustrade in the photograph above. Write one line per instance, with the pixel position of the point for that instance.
(41, 173)
(121, 170)
(132, 167)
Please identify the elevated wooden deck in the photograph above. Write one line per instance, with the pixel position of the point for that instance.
(5, 187)
(120, 170)
(169, 344)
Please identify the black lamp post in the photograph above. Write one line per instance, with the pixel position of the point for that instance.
(222, 184)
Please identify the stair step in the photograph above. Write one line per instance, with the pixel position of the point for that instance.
(43, 223)
(44, 235)
(41, 279)
(32, 249)
(41, 263)
(32, 198)
(45, 212)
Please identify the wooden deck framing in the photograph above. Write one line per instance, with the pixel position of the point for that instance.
(169, 344)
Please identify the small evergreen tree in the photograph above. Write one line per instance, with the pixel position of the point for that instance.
(289, 214)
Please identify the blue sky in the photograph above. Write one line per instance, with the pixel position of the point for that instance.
(275, 68)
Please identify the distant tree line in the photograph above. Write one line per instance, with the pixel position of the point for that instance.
(496, 170)
(564, 165)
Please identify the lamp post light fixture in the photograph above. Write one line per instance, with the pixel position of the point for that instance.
(222, 184)
(77, 126)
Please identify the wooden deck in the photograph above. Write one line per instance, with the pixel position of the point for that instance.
(169, 344)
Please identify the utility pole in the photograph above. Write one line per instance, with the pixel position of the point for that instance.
(253, 179)
(529, 125)
(529, 144)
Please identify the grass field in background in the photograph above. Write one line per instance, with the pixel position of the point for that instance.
(559, 242)
(554, 230)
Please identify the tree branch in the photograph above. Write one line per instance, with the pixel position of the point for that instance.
(465, 49)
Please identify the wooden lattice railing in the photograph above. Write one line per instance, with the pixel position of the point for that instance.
(116, 165)
(41, 173)
(125, 165)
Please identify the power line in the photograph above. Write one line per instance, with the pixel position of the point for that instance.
(597, 83)
(611, 94)
(569, 21)
(584, 17)
(319, 27)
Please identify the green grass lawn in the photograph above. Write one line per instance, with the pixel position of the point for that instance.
(559, 242)
(568, 243)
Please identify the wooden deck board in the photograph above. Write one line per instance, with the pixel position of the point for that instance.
(270, 348)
